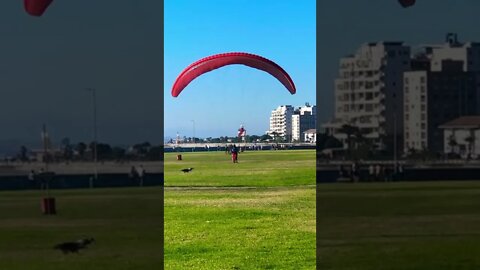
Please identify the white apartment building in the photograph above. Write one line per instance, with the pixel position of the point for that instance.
(466, 53)
(369, 92)
(281, 122)
(415, 116)
(443, 85)
(304, 118)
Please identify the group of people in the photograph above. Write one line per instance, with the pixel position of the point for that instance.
(137, 174)
(41, 177)
(376, 172)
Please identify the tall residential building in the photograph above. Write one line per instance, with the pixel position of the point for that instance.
(281, 122)
(303, 119)
(443, 85)
(369, 92)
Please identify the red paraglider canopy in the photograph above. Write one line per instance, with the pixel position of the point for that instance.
(406, 3)
(36, 7)
(219, 60)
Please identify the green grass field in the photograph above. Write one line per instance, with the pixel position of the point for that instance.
(433, 225)
(255, 168)
(126, 223)
(255, 220)
(257, 214)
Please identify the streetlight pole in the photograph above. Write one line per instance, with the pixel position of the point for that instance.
(94, 101)
(46, 157)
(394, 136)
(193, 121)
(395, 142)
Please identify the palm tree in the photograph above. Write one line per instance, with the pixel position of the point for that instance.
(275, 135)
(452, 142)
(471, 142)
(81, 148)
(349, 130)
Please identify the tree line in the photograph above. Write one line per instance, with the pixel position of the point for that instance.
(81, 151)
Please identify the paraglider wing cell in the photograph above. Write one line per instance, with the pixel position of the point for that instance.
(210, 63)
(36, 7)
(406, 3)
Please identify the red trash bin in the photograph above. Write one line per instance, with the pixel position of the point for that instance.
(48, 206)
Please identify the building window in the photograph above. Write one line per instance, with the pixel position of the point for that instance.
(422, 79)
(369, 107)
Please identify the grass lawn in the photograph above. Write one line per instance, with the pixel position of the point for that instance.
(255, 220)
(255, 168)
(434, 225)
(257, 214)
(240, 229)
(126, 223)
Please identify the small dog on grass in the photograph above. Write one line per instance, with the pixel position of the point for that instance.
(74, 247)
(187, 170)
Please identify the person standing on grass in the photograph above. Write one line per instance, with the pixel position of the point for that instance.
(355, 172)
(31, 178)
(371, 172)
(133, 173)
(378, 170)
(141, 174)
(234, 154)
(400, 171)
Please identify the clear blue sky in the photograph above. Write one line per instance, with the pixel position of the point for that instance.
(219, 101)
(114, 46)
(47, 62)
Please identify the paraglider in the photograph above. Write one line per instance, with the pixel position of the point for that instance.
(406, 3)
(210, 63)
(36, 7)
